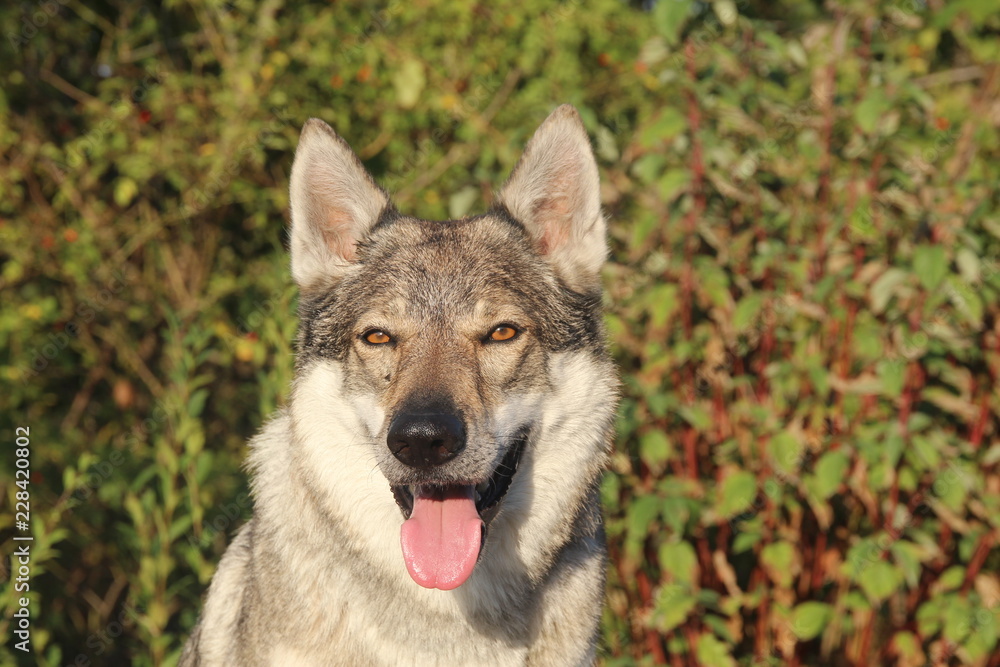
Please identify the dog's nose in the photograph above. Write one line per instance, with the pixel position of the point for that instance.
(426, 440)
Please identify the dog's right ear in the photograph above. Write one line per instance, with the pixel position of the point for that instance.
(334, 204)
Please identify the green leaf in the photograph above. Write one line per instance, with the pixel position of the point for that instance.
(871, 109)
(958, 619)
(672, 606)
(831, 470)
(125, 191)
(810, 618)
(923, 453)
(648, 168)
(892, 372)
(605, 146)
(967, 300)
(676, 512)
(726, 10)
(711, 652)
(983, 639)
(951, 578)
(786, 453)
(196, 403)
(929, 617)
(779, 559)
(880, 580)
(892, 449)
(885, 287)
(611, 489)
(462, 201)
(969, 265)
(696, 416)
(655, 449)
(409, 82)
(747, 310)
(907, 555)
(669, 17)
(643, 228)
(744, 541)
(640, 516)
(680, 561)
(862, 223)
(737, 493)
(930, 263)
(950, 487)
(195, 442)
(907, 645)
(667, 125)
(662, 302)
(674, 182)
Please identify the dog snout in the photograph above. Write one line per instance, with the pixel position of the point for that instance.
(426, 440)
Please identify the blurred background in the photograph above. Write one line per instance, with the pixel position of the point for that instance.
(803, 296)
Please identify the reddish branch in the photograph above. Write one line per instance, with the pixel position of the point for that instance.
(697, 166)
(825, 168)
(978, 558)
(979, 427)
(653, 644)
(864, 649)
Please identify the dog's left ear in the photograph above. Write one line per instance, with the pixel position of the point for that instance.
(554, 192)
(335, 203)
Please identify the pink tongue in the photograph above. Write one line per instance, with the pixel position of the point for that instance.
(441, 538)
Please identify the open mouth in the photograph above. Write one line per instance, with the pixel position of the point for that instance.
(446, 524)
(487, 494)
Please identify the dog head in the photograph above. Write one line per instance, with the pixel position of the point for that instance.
(443, 333)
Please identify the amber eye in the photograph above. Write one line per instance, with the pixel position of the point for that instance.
(503, 332)
(377, 337)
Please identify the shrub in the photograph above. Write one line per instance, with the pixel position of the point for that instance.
(803, 297)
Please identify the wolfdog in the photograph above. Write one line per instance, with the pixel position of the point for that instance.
(430, 496)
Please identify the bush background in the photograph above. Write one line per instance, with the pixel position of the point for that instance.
(802, 296)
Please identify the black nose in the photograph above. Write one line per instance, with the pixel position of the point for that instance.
(426, 440)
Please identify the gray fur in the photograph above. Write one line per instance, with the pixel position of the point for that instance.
(317, 577)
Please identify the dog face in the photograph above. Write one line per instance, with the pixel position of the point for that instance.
(444, 332)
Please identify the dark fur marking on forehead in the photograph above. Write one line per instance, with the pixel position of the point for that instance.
(501, 212)
(388, 216)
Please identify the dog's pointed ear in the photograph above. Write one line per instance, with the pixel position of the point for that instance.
(334, 203)
(554, 192)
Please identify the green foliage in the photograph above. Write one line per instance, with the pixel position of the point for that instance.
(804, 296)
